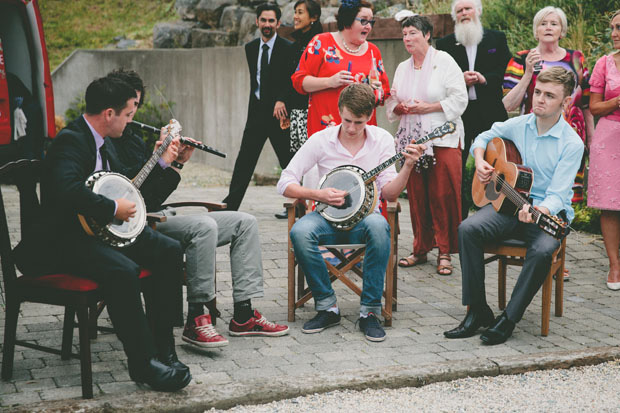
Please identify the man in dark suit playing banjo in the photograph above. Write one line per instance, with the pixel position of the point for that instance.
(552, 149)
(353, 142)
(76, 153)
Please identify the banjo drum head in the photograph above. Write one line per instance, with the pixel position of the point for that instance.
(114, 186)
(348, 180)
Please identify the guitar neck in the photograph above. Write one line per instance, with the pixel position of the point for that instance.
(150, 164)
(446, 128)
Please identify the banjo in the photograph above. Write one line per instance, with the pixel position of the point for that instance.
(113, 185)
(361, 197)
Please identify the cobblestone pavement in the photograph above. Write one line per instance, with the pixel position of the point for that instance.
(428, 305)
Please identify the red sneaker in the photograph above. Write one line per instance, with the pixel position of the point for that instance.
(257, 326)
(201, 333)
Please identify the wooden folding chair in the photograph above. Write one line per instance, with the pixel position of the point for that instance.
(348, 263)
(512, 252)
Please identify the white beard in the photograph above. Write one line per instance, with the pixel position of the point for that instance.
(468, 34)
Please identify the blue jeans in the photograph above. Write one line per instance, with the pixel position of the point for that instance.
(313, 230)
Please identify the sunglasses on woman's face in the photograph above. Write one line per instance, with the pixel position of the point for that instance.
(364, 22)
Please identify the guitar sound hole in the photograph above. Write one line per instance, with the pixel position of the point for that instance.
(498, 183)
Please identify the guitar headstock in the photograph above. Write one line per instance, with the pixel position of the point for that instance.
(554, 226)
(174, 128)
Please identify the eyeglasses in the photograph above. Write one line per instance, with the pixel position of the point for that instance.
(364, 22)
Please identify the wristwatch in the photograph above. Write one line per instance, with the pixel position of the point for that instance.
(177, 165)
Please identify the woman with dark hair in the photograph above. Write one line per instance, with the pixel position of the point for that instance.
(307, 25)
(334, 60)
(429, 90)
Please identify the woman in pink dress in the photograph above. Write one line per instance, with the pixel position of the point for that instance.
(603, 188)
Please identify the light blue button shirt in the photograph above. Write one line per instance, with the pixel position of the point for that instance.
(554, 157)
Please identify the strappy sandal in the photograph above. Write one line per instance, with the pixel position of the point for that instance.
(443, 269)
(412, 260)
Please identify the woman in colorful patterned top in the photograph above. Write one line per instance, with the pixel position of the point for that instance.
(334, 60)
(549, 27)
(603, 191)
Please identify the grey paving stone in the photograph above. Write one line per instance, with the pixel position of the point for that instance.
(19, 399)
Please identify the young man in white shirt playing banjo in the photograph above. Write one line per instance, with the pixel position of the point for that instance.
(353, 142)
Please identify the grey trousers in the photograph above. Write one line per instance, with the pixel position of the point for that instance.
(200, 235)
(487, 225)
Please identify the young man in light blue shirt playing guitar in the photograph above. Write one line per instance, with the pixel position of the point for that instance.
(550, 147)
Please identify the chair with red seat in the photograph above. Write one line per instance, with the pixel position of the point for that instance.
(74, 293)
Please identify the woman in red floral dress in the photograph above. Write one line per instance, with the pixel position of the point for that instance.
(334, 60)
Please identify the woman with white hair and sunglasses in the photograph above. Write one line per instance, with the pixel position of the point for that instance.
(550, 26)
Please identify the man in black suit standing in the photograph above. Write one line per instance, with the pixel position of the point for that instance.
(483, 55)
(269, 58)
(74, 155)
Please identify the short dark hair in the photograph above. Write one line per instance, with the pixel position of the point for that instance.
(132, 78)
(348, 12)
(559, 76)
(314, 8)
(421, 23)
(108, 92)
(269, 6)
(359, 98)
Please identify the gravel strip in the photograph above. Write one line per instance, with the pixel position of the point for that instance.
(581, 389)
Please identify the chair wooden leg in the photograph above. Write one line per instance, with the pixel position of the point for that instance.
(85, 360)
(10, 333)
(501, 282)
(546, 305)
(291, 284)
(559, 291)
(93, 316)
(67, 333)
(389, 285)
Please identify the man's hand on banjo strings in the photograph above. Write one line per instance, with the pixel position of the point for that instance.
(332, 196)
(125, 209)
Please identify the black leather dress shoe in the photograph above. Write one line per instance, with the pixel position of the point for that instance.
(158, 376)
(171, 360)
(475, 318)
(282, 215)
(499, 332)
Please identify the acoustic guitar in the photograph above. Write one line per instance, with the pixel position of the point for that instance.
(510, 186)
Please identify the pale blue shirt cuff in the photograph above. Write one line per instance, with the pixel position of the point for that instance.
(115, 207)
(162, 163)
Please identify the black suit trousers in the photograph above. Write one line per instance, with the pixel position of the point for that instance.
(260, 125)
(117, 271)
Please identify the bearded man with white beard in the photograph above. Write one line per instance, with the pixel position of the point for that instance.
(482, 55)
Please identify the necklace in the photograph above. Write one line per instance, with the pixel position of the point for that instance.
(344, 44)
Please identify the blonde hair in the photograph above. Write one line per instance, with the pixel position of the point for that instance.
(560, 76)
(613, 16)
(544, 12)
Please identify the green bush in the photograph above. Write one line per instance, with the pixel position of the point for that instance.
(586, 219)
(150, 113)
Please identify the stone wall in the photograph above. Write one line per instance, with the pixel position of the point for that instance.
(210, 89)
(208, 23)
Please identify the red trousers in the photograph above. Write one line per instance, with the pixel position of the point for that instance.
(435, 203)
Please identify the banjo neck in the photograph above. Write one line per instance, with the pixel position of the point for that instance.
(438, 132)
(173, 130)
